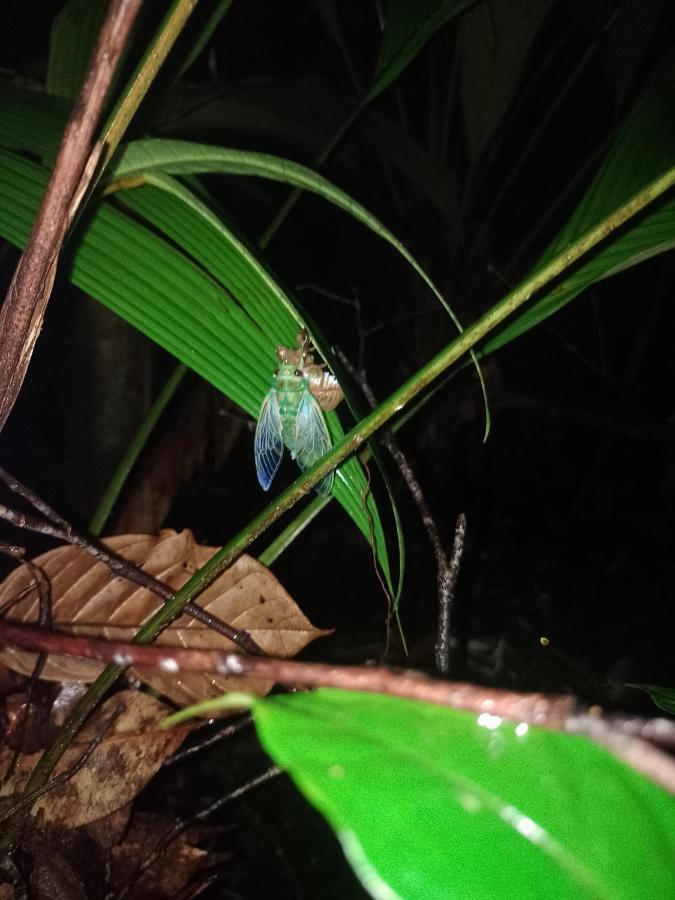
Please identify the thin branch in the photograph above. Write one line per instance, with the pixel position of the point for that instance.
(448, 574)
(26, 301)
(558, 712)
(548, 710)
(344, 448)
(210, 741)
(57, 527)
(447, 569)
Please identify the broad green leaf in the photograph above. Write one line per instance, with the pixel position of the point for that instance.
(140, 159)
(643, 150)
(408, 26)
(169, 296)
(430, 802)
(71, 43)
(189, 223)
(269, 318)
(664, 697)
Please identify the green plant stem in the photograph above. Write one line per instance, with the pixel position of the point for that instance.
(127, 462)
(351, 442)
(143, 76)
(274, 550)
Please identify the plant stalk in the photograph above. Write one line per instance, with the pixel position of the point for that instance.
(350, 443)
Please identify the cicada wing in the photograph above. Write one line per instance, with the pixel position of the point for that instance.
(269, 447)
(312, 440)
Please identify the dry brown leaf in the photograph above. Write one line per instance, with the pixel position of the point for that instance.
(173, 871)
(87, 599)
(110, 830)
(26, 726)
(53, 878)
(131, 751)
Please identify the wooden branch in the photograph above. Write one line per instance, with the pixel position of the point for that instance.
(26, 301)
(57, 527)
(559, 712)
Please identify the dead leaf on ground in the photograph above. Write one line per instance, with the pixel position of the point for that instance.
(173, 871)
(52, 878)
(131, 751)
(111, 829)
(26, 726)
(88, 600)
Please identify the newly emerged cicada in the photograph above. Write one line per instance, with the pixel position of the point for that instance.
(291, 415)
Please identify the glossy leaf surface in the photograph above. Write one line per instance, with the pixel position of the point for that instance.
(431, 802)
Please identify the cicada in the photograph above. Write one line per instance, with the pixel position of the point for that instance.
(291, 414)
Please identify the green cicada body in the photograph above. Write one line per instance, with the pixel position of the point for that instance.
(290, 417)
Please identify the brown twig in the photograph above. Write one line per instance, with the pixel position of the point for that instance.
(447, 569)
(558, 712)
(24, 307)
(212, 739)
(57, 527)
(447, 576)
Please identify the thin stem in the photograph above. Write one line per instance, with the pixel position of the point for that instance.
(145, 73)
(117, 564)
(350, 443)
(448, 575)
(23, 311)
(274, 550)
(559, 712)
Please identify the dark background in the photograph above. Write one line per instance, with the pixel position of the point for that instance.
(569, 503)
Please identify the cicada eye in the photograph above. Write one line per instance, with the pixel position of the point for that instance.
(298, 373)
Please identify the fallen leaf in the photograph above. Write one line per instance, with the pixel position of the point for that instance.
(179, 863)
(25, 726)
(52, 878)
(111, 829)
(88, 599)
(131, 751)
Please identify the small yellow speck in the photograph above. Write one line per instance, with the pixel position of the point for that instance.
(544, 641)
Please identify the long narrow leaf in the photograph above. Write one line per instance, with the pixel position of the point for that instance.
(643, 150)
(407, 29)
(172, 300)
(170, 207)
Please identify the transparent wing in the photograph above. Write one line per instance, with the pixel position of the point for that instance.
(269, 447)
(312, 439)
